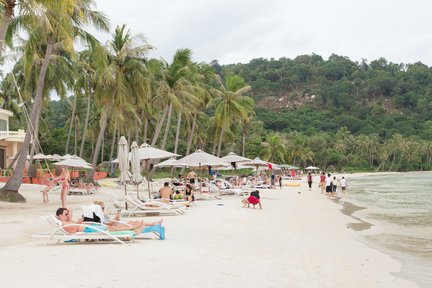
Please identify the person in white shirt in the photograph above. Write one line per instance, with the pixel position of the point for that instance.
(343, 185)
(328, 184)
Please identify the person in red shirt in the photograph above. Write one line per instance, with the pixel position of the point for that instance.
(322, 182)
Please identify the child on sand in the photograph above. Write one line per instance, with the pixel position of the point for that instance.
(254, 199)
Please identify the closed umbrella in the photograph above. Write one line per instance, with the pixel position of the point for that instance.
(123, 158)
(137, 178)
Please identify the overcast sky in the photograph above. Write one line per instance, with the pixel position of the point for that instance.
(233, 31)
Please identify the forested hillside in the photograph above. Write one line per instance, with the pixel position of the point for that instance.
(309, 94)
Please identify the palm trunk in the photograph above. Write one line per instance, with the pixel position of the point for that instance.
(159, 126)
(6, 18)
(146, 121)
(220, 141)
(243, 143)
(167, 126)
(176, 139)
(10, 192)
(189, 143)
(72, 120)
(87, 120)
(101, 136)
(113, 142)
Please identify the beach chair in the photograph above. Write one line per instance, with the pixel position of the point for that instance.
(93, 214)
(136, 206)
(60, 234)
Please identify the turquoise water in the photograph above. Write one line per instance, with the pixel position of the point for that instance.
(400, 208)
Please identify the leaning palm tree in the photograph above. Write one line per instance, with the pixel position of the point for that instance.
(273, 149)
(125, 81)
(230, 103)
(57, 27)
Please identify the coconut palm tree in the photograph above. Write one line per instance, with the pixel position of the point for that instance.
(273, 149)
(230, 104)
(125, 81)
(56, 28)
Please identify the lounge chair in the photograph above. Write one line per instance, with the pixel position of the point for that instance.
(152, 207)
(60, 234)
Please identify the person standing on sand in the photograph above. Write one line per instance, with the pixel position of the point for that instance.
(322, 184)
(280, 181)
(334, 185)
(309, 180)
(343, 185)
(49, 182)
(328, 184)
(64, 179)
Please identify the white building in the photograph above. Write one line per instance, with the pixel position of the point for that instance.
(10, 141)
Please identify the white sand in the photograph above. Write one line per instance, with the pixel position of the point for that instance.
(297, 240)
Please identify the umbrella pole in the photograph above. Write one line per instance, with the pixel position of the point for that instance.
(137, 191)
(126, 206)
(148, 179)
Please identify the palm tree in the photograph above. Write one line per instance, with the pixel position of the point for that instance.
(230, 104)
(273, 149)
(125, 81)
(60, 24)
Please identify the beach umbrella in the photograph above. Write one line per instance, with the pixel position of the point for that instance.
(65, 157)
(122, 155)
(40, 156)
(200, 159)
(234, 159)
(257, 162)
(147, 152)
(137, 178)
(56, 157)
(74, 163)
(312, 168)
(168, 163)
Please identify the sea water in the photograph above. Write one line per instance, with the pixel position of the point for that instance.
(399, 206)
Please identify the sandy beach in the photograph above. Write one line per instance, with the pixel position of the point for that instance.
(299, 239)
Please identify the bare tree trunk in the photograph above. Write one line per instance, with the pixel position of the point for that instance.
(220, 141)
(101, 136)
(243, 144)
(113, 142)
(72, 120)
(87, 119)
(167, 126)
(76, 137)
(10, 192)
(189, 143)
(159, 126)
(146, 121)
(176, 139)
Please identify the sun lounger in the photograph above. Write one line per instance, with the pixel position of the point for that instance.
(60, 234)
(136, 206)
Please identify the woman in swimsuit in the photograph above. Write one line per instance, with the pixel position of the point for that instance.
(189, 194)
(64, 179)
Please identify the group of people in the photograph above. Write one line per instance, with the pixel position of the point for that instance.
(166, 193)
(329, 184)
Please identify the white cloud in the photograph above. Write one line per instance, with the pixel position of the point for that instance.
(237, 31)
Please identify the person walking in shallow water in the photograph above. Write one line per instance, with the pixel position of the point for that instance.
(343, 185)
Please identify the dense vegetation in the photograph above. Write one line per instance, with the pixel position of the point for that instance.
(335, 112)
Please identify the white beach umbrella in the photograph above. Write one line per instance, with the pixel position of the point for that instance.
(65, 157)
(56, 157)
(39, 156)
(312, 168)
(257, 162)
(74, 163)
(168, 163)
(147, 152)
(137, 178)
(234, 159)
(201, 159)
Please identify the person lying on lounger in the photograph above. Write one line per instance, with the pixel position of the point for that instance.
(65, 216)
(115, 222)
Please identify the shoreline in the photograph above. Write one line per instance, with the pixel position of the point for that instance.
(378, 234)
(299, 239)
